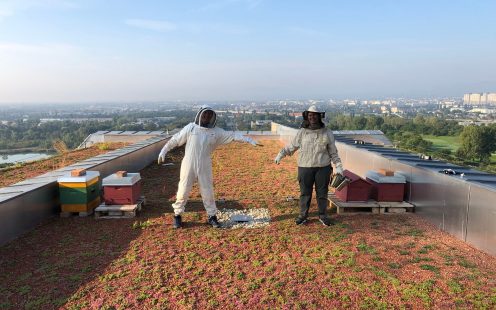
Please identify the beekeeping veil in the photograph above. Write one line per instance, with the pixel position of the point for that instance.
(198, 117)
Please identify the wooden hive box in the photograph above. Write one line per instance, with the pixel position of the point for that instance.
(79, 193)
(386, 188)
(357, 190)
(122, 188)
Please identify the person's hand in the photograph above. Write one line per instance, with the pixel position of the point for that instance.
(339, 169)
(278, 158)
(161, 157)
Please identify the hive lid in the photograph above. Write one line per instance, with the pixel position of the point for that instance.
(353, 177)
(380, 178)
(89, 176)
(116, 180)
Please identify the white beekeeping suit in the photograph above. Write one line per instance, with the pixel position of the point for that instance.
(200, 141)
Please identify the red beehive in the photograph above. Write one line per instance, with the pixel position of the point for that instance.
(386, 188)
(122, 188)
(357, 189)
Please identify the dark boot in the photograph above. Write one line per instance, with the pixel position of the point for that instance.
(178, 223)
(326, 221)
(300, 220)
(212, 220)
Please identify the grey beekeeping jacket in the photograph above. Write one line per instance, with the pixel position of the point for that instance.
(317, 148)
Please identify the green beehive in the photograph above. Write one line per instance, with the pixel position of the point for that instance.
(79, 193)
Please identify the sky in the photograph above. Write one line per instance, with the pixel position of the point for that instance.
(124, 51)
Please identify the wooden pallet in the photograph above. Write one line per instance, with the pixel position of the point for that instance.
(371, 206)
(74, 214)
(104, 211)
(396, 207)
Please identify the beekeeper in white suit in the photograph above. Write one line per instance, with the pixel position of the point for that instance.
(201, 138)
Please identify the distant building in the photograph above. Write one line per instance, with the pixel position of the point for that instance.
(479, 99)
(483, 110)
(449, 103)
(259, 123)
(396, 110)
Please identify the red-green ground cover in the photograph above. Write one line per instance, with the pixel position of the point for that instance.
(364, 261)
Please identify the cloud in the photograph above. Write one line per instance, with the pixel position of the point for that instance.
(5, 13)
(213, 28)
(155, 25)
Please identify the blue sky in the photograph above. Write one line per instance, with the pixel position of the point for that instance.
(116, 50)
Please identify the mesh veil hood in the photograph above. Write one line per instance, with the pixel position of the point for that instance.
(313, 108)
(198, 116)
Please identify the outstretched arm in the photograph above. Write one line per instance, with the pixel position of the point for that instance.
(289, 149)
(178, 139)
(239, 137)
(225, 137)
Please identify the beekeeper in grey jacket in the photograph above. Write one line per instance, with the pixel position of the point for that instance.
(317, 150)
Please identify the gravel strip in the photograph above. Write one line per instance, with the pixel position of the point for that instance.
(251, 218)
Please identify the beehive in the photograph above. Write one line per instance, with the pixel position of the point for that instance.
(79, 193)
(386, 188)
(122, 188)
(357, 189)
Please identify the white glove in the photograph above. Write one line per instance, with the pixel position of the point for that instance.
(339, 169)
(278, 158)
(161, 156)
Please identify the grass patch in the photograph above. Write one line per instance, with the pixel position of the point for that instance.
(454, 286)
(371, 303)
(363, 247)
(325, 292)
(141, 225)
(394, 265)
(418, 259)
(448, 259)
(429, 267)
(420, 290)
(415, 232)
(426, 248)
(465, 263)
(451, 143)
(24, 289)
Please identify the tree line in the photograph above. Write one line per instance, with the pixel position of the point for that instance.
(477, 142)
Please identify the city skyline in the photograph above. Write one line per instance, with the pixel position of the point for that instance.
(84, 51)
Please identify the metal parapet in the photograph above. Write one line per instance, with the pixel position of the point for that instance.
(26, 204)
(462, 205)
